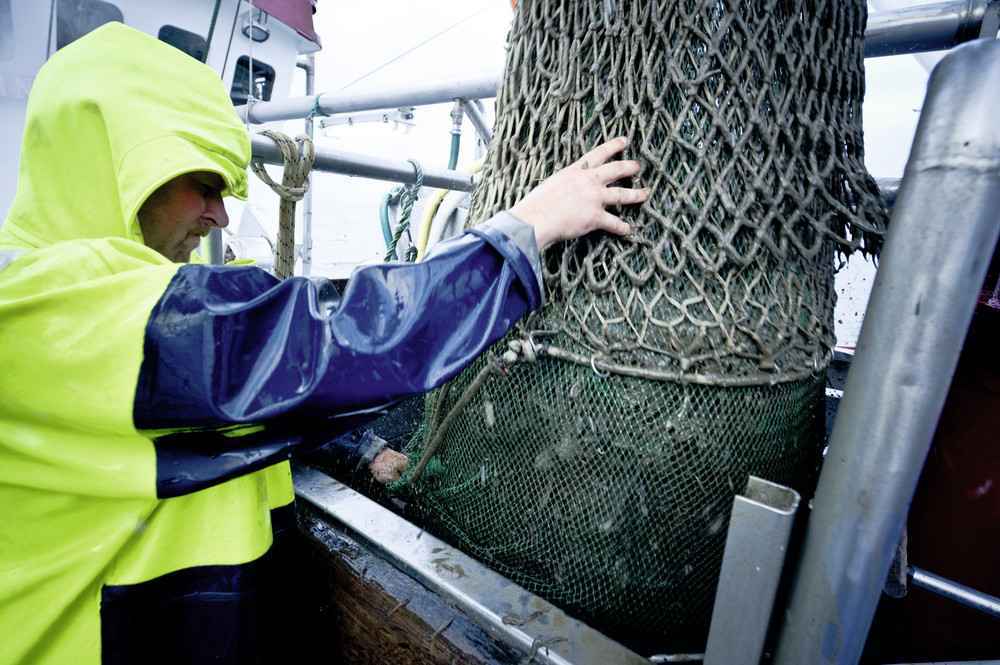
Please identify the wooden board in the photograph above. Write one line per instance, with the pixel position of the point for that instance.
(355, 608)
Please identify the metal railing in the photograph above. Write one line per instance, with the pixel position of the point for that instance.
(366, 166)
(935, 27)
(440, 92)
(912, 30)
(308, 64)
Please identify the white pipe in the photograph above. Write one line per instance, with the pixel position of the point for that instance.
(365, 166)
(439, 92)
(308, 63)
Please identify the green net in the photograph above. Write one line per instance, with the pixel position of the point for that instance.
(593, 455)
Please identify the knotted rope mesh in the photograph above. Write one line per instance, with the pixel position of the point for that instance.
(675, 362)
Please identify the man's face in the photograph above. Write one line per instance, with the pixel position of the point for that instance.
(179, 214)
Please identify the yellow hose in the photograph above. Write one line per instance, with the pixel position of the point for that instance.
(425, 222)
(431, 210)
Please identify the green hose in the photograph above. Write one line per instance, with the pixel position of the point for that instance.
(390, 196)
(383, 215)
(456, 142)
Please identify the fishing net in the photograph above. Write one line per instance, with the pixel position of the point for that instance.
(593, 456)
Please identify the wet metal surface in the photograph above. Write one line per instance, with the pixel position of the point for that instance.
(759, 530)
(929, 27)
(541, 630)
(371, 612)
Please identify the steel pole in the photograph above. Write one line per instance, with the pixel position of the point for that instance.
(960, 593)
(440, 92)
(478, 121)
(943, 232)
(935, 27)
(308, 64)
(365, 166)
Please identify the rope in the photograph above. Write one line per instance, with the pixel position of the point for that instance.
(408, 196)
(748, 126)
(298, 155)
(518, 350)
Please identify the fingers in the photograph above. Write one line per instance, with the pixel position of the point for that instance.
(602, 153)
(388, 466)
(613, 171)
(622, 196)
(388, 474)
(613, 224)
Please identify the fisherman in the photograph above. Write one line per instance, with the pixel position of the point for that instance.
(127, 537)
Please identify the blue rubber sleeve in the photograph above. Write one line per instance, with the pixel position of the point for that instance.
(233, 345)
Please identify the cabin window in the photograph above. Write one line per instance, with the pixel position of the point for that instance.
(75, 18)
(185, 40)
(263, 80)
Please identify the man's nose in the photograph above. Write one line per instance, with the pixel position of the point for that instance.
(215, 211)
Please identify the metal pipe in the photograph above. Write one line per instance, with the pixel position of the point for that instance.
(456, 133)
(329, 104)
(934, 27)
(308, 63)
(759, 529)
(943, 231)
(478, 121)
(954, 591)
(365, 166)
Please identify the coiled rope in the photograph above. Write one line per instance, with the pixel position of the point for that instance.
(298, 155)
(408, 196)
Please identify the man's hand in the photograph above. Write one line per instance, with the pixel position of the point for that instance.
(571, 203)
(388, 466)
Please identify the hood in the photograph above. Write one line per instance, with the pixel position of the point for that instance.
(110, 118)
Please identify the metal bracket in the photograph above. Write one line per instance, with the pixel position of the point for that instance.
(756, 545)
(401, 116)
